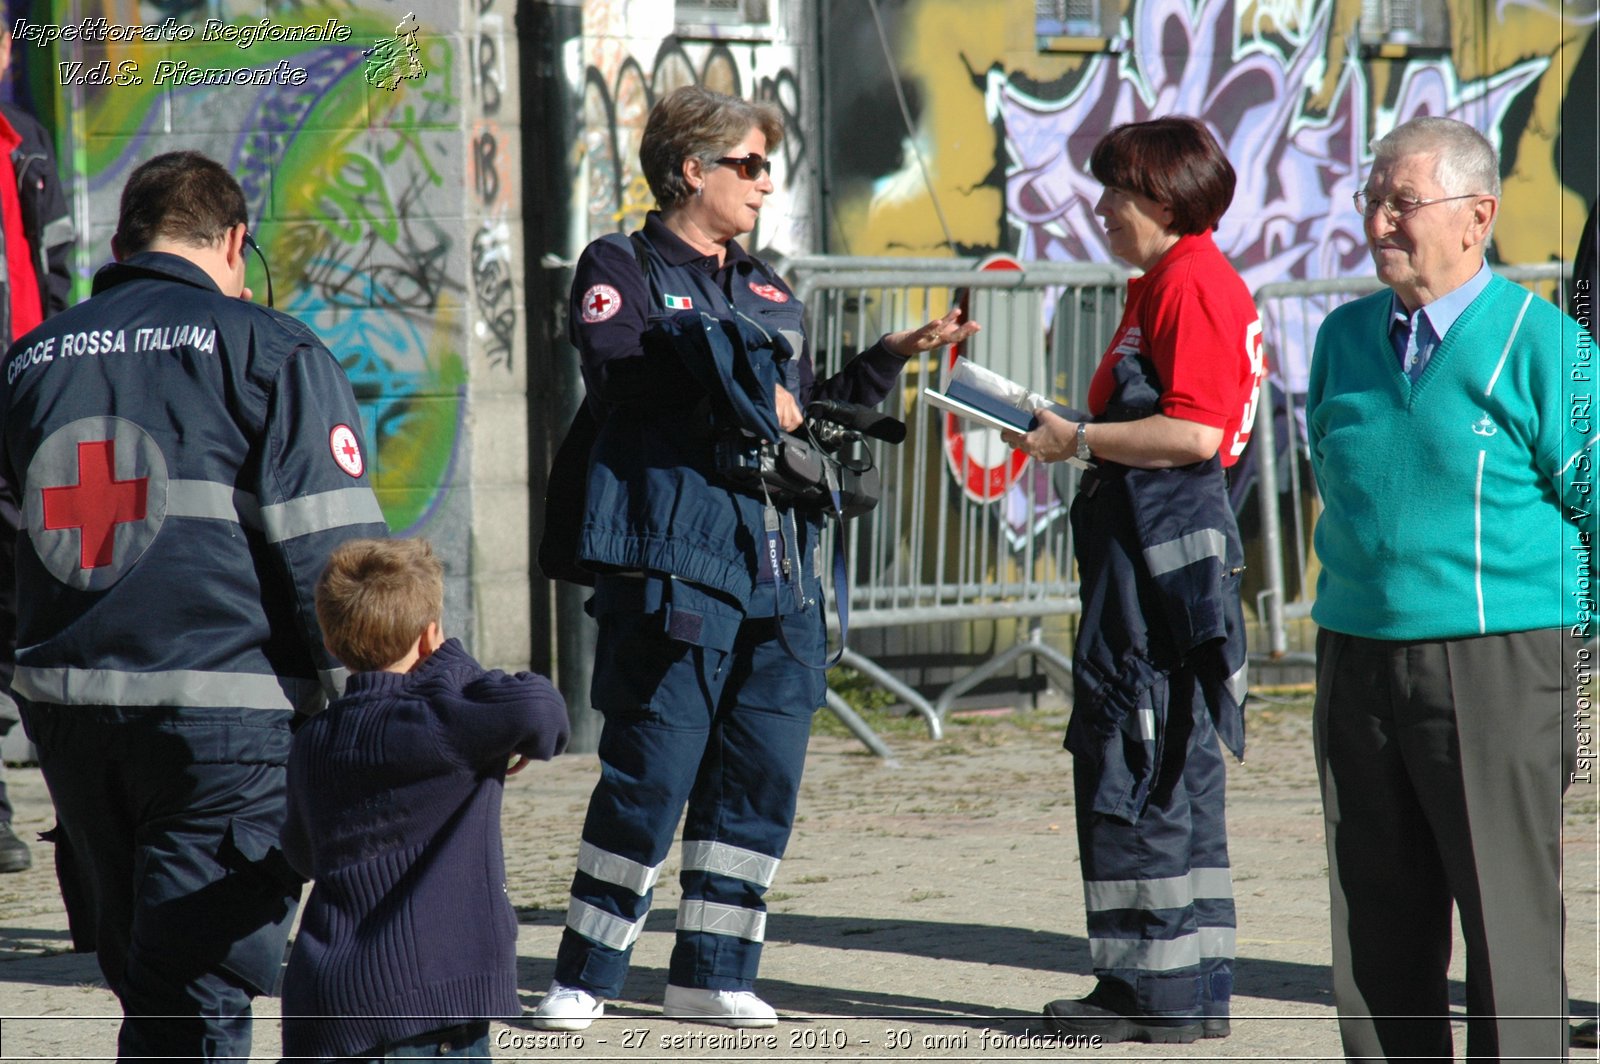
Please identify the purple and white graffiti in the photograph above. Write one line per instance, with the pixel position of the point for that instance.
(1292, 216)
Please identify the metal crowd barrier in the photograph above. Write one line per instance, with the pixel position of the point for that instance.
(1291, 313)
(996, 543)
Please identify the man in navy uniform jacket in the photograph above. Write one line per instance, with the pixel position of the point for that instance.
(184, 462)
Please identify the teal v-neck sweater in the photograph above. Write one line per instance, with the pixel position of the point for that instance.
(1463, 503)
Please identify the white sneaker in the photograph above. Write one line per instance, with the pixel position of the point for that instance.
(725, 1008)
(567, 1008)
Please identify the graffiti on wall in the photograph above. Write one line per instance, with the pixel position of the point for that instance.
(1283, 85)
(1280, 82)
(625, 74)
(1292, 216)
(493, 178)
(354, 193)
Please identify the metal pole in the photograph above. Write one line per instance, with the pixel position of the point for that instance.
(1271, 527)
(555, 386)
(576, 631)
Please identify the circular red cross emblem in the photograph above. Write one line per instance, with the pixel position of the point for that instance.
(982, 463)
(346, 450)
(600, 302)
(96, 497)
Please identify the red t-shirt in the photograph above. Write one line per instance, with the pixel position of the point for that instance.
(1192, 316)
(23, 283)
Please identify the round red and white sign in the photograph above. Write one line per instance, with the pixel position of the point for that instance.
(600, 302)
(346, 450)
(770, 291)
(984, 464)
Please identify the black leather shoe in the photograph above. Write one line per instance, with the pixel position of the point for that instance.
(1215, 1027)
(1083, 1017)
(14, 855)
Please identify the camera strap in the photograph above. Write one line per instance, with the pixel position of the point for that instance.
(774, 546)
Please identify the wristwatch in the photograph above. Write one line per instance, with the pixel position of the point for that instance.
(1083, 453)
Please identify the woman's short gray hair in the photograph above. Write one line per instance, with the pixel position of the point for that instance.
(1465, 162)
(695, 122)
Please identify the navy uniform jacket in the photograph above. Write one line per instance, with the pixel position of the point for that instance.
(186, 461)
(1162, 630)
(45, 219)
(48, 227)
(671, 361)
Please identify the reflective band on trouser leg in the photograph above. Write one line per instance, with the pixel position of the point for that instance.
(1145, 955)
(732, 861)
(1140, 899)
(1174, 892)
(1212, 882)
(597, 925)
(1204, 776)
(742, 807)
(1213, 911)
(1217, 943)
(713, 919)
(617, 870)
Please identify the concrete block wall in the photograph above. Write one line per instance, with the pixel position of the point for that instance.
(632, 54)
(381, 164)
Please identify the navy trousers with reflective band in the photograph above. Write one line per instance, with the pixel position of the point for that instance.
(1159, 891)
(173, 817)
(723, 733)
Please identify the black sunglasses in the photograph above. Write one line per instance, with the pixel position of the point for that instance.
(751, 167)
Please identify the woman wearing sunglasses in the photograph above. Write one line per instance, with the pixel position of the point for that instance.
(707, 594)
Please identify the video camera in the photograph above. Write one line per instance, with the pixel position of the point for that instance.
(829, 452)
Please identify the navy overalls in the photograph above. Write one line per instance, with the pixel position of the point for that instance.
(1158, 677)
(705, 706)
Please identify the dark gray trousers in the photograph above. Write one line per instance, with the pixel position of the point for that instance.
(1442, 766)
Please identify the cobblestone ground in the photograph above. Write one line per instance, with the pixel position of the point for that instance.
(927, 908)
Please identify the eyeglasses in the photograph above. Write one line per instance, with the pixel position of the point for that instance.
(750, 167)
(1399, 207)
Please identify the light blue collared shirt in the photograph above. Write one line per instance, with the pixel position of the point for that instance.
(1416, 336)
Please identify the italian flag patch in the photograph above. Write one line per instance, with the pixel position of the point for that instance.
(678, 302)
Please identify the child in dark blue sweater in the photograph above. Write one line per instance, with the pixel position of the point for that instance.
(408, 940)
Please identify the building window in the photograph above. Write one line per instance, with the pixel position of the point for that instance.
(1394, 29)
(1076, 25)
(725, 13)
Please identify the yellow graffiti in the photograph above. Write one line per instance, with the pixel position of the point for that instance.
(637, 201)
(961, 150)
(955, 137)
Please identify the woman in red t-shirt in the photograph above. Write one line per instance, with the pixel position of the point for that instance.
(1176, 391)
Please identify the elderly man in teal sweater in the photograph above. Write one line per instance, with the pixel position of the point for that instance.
(1450, 420)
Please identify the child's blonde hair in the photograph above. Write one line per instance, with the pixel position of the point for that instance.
(375, 597)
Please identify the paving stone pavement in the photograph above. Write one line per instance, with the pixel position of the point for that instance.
(928, 907)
